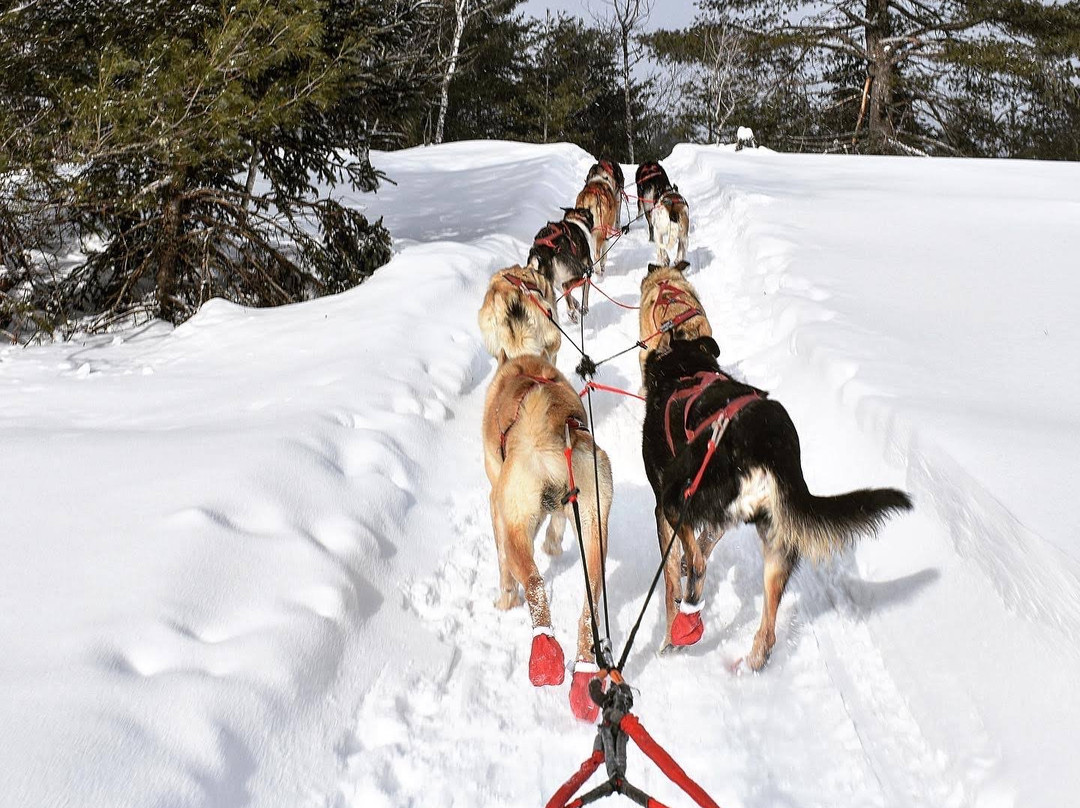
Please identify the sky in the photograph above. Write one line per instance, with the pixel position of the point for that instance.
(665, 13)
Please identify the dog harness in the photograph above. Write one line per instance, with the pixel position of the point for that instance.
(699, 383)
(609, 168)
(572, 421)
(551, 233)
(655, 172)
(668, 295)
(672, 195)
(532, 291)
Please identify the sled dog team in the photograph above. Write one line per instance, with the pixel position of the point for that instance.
(717, 452)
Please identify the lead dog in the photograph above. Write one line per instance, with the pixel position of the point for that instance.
(562, 253)
(600, 196)
(651, 181)
(531, 416)
(754, 476)
(670, 226)
(670, 309)
(516, 317)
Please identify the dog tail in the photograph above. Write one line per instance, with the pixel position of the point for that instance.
(819, 527)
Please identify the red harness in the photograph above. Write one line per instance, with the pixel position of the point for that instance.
(532, 291)
(656, 172)
(667, 297)
(692, 393)
(554, 231)
(674, 196)
(572, 421)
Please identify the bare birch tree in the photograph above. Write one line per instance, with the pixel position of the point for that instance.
(464, 12)
(627, 19)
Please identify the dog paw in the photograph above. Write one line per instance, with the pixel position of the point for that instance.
(547, 666)
(759, 654)
(508, 600)
(687, 629)
(581, 703)
(553, 545)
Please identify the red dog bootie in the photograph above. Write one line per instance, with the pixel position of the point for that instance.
(687, 628)
(581, 703)
(546, 663)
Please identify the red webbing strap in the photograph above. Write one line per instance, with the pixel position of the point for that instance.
(669, 325)
(668, 296)
(556, 230)
(592, 283)
(572, 422)
(702, 380)
(575, 285)
(591, 385)
(517, 411)
(656, 172)
(566, 791)
(609, 231)
(532, 291)
(673, 195)
(718, 432)
(632, 727)
(730, 411)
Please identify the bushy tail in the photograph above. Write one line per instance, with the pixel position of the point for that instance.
(818, 527)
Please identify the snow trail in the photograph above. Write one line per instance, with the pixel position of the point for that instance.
(270, 577)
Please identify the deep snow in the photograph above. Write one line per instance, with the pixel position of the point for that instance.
(248, 561)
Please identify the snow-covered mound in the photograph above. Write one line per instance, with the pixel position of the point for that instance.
(248, 561)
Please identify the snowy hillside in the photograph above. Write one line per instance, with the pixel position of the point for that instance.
(248, 561)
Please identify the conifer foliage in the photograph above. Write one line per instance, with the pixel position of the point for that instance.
(179, 143)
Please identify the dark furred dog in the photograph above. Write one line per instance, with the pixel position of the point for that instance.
(562, 253)
(652, 181)
(755, 475)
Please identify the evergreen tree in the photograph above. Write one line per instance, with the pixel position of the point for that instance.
(909, 77)
(181, 142)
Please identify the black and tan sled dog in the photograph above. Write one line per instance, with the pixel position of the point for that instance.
(562, 253)
(531, 417)
(516, 317)
(651, 181)
(754, 475)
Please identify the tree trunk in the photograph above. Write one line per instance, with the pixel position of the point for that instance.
(626, 92)
(455, 48)
(879, 125)
(169, 256)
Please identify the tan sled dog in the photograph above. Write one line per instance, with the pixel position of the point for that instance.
(670, 220)
(601, 197)
(516, 316)
(531, 416)
(668, 301)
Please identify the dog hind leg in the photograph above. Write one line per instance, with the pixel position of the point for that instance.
(780, 562)
(688, 627)
(664, 535)
(547, 665)
(509, 594)
(554, 535)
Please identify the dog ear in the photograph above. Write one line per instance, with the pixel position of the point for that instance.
(708, 345)
(654, 267)
(682, 266)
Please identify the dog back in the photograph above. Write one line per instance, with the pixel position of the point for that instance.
(516, 315)
(598, 198)
(667, 295)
